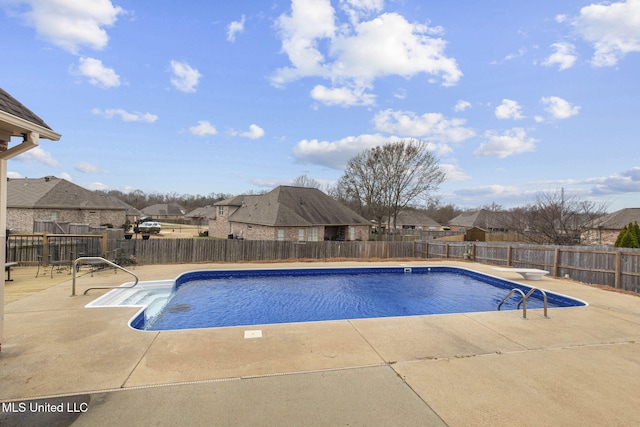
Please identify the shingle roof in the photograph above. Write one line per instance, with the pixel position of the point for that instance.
(618, 219)
(52, 192)
(287, 206)
(203, 212)
(411, 217)
(482, 219)
(10, 105)
(164, 209)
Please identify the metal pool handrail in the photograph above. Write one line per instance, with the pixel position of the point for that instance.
(544, 299)
(524, 301)
(106, 261)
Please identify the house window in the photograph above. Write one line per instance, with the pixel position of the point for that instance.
(54, 215)
(313, 234)
(280, 233)
(301, 235)
(221, 210)
(352, 233)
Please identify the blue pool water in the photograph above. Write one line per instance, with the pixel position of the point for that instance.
(216, 298)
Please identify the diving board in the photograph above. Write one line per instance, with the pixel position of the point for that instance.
(526, 273)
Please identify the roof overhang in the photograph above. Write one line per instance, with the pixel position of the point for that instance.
(30, 133)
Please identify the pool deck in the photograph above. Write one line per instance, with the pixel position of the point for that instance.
(579, 367)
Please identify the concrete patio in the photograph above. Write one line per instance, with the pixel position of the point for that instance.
(579, 367)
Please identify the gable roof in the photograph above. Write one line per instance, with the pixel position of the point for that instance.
(618, 219)
(414, 217)
(203, 212)
(164, 209)
(287, 206)
(56, 193)
(482, 219)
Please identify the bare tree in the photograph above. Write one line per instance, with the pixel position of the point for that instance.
(555, 218)
(384, 180)
(305, 181)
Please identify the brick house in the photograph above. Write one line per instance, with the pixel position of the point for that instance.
(287, 213)
(56, 199)
(605, 230)
(171, 212)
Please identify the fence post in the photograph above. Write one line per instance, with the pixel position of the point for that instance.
(556, 262)
(446, 250)
(509, 255)
(617, 267)
(45, 248)
(104, 244)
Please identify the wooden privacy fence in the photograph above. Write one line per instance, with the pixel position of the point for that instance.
(159, 251)
(615, 267)
(619, 268)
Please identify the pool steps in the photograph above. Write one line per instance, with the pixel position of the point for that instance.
(145, 294)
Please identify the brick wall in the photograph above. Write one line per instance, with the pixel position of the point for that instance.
(20, 220)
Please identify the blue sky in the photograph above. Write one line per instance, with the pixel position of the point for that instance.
(206, 97)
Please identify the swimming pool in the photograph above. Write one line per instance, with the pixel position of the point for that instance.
(218, 298)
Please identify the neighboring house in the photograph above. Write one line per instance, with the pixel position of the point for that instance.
(201, 216)
(55, 199)
(132, 214)
(605, 230)
(287, 213)
(171, 212)
(415, 220)
(490, 221)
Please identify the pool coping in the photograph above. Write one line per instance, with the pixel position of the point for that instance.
(440, 357)
(119, 296)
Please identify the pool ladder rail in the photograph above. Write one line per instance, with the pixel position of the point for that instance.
(102, 260)
(523, 302)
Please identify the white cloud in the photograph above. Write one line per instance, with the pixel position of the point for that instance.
(489, 191)
(564, 56)
(511, 142)
(14, 175)
(390, 45)
(359, 9)
(38, 155)
(353, 55)
(185, 78)
(559, 108)
(96, 186)
(234, 28)
(336, 154)
(97, 73)
(612, 29)
(560, 18)
(204, 128)
(461, 105)
(86, 167)
(453, 172)
(254, 132)
(309, 22)
(431, 126)
(625, 182)
(65, 176)
(342, 96)
(509, 109)
(125, 115)
(71, 24)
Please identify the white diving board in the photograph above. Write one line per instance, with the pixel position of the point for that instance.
(526, 273)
